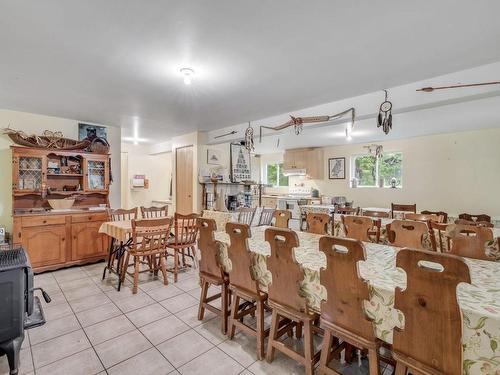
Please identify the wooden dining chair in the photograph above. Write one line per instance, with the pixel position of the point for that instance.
(266, 216)
(154, 212)
(184, 241)
(244, 288)
(441, 214)
(469, 241)
(149, 241)
(246, 215)
(486, 224)
(317, 223)
(358, 227)
(282, 218)
(403, 208)
(289, 307)
(431, 341)
(120, 214)
(422, 217)
(346, 210)
(342, 313)
(407, 233)
(378, 214)
(440, 242)
(211, 273)
(479, 217)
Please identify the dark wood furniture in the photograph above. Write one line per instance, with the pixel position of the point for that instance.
(379, 214)
(358, 227)
(403, 208)
(469, 241)
(282, 218)
(266, 216)
(56, 239)
(154, 212)
(407, 233)
(149, 241)
(184, 241)
(431, 341)
(423, 217)
(244, 288)
(246, 215)
(317, 223)
(479, 217)
(211, 273)
(285, 301)
(441, 214)
(342, 314)
(486, 224)
(346, 210)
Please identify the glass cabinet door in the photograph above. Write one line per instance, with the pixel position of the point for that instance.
(96, 175)
(29, 176)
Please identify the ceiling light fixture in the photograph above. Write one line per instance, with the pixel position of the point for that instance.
(187, 74)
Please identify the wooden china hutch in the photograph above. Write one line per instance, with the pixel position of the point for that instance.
(59, 238)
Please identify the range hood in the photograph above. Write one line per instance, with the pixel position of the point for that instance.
(294, 172)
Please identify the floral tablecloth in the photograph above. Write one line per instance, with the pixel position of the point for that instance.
(479, 301)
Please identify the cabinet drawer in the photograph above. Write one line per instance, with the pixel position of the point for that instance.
(34, 221)
(102, 216)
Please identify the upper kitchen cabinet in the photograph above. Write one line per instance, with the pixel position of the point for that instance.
(309, 160)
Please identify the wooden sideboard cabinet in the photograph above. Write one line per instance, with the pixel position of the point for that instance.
(55, 241)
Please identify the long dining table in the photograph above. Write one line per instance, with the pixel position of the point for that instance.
(479, 301)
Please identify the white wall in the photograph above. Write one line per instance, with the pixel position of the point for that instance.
(455, 173)
(157, 168)
(35, 124)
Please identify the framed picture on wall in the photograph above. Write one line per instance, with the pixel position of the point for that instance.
(214, 156)
(89, 131)
(336, 168)
(240, 163)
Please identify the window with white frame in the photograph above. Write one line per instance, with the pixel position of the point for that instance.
(273, 175)
(372, 172)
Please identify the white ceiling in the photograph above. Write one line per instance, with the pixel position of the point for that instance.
(117, 61)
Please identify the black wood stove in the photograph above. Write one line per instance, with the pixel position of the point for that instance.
(19, 308)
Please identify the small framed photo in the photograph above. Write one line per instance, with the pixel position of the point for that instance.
(214, 156)
(336, 168)
(89, 131)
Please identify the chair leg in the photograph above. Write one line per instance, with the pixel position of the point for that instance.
(308, 347)
(373, 361)
(273, 333)
(234, 313)
(400, 369)
(224, 308)
(260, 330)
(136, 274)
(163, 267)
(203, 298)
(176, 264)
(298, 330)
(326, 347)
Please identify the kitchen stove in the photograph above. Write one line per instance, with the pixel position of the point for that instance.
(297, 196)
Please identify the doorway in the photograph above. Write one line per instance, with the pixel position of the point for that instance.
(184, 180)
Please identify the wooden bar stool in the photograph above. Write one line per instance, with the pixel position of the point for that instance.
(317, 223)
(244, 287)
(212, 273)
(342, 314)
(149, 240)
(407, 233)
(183, 242)
(431, 341)
(285, 301)
(281, 218)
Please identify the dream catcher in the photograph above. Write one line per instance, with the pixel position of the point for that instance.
(249, 143)
(377, 150)
(384, 119)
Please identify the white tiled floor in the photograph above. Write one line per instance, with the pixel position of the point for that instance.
(94, 329)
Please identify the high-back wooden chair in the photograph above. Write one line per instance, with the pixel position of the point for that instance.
(357, 227)
(121, 214)
(422, 217)
(342, 314)
(479, 217)
(285, 301)
(246, 215)
(403, 208)
(440, 242)
(407, 233)
(211, 273)
(244, 287)
(469, 241)
(346, 210)
(154, 212)
(149, 240)
(431, 341)
(442, 215)
(317, 223)
(281, 218)
(378, 214)
(266, 216)
(184, 241)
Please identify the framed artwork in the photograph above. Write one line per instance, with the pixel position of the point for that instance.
(240, 163)
(214, 156)
(336, 168)
(91, 131)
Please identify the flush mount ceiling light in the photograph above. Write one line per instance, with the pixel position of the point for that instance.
(187, 74)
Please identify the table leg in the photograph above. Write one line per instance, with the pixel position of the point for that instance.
(110, 255)
(118, 264)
